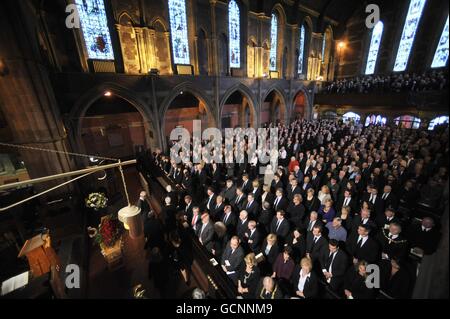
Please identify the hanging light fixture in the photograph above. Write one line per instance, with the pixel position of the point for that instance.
(129, 215)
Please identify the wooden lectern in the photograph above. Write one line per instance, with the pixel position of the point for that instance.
(41, 256)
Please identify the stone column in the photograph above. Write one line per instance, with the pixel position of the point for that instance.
(215, 64)
(28, 99)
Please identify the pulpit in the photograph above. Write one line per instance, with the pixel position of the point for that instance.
(40, 254)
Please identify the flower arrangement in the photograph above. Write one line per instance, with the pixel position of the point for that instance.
(96, 201)
(109, 231)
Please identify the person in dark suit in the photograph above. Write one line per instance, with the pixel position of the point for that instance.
(252, 206)
(242, 225)
(229, 220)
(296, 211)
(293, 189)
(304, 281)
(347, 200)
(269, 250)
(195, 219)
(393, 244)
(153, 232)
(389, 198)
(375, 202)
(316, 245)
(280, 202)
(361, 247)
(249, 278)
(268, 289)
(246, 185)
(424, 236)
(217, 208)
(363, 218)
(169, 214)
(306, 185)
(239, 201)
(334, 264)
(210, 201)
(311, 202)
(280, 226)
(355, 282)
(188, 206)
(396, 281)
(205, 233)
(312, 221)
(216, 174)
(267, 195)
(276, 183)
(297, 240)
(315, 180)
(229, 193)
(143, 203)
(266, 216)
(253, 237)
(387, 218)
(256, 191)
(232, 258)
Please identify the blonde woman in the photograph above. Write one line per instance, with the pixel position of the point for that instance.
(249, 278)
(305, 281)
(270, 252)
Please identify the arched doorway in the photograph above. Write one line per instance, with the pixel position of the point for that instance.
(113, 127)
(299, 106)
(273, 109)
(238, 111)
(183, 110)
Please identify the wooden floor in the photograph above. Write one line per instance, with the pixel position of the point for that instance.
(119, 283)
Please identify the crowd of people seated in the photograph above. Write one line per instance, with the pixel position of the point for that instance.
(396, 82)
(337, 204)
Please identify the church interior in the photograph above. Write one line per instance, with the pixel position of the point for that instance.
(95, 95)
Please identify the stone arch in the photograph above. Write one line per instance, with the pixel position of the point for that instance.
(248, 94)
(308, 104)
(159, 22)
(125, 19)
(199, 94)
(89, 98)
(284, 111)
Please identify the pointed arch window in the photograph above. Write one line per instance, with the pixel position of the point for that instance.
(409, 32)
(273, 43)
(179, 31)
(301, 52)
(375, 41)
(234, 30)
(94, 25)
(441, 55)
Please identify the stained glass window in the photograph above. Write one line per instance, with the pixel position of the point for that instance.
(375, 120)
(374, 47)
(409, 32)
(441, 55)
(179, 33)
(324, 44)
(351, 116)
(94, 25)
(438, 121)
(234, 29)
(273, 43)
(301, 52)
(407, 121)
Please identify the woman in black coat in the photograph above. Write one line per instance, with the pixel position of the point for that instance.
(270, 251)
(249, 278)
(179, 255)
(297, 240)
(296, 211)
(311, 202)
(304, 282)
(355, 283)
(397, 282)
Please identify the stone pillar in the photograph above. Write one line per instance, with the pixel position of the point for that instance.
(28, 99)
(215, 64)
